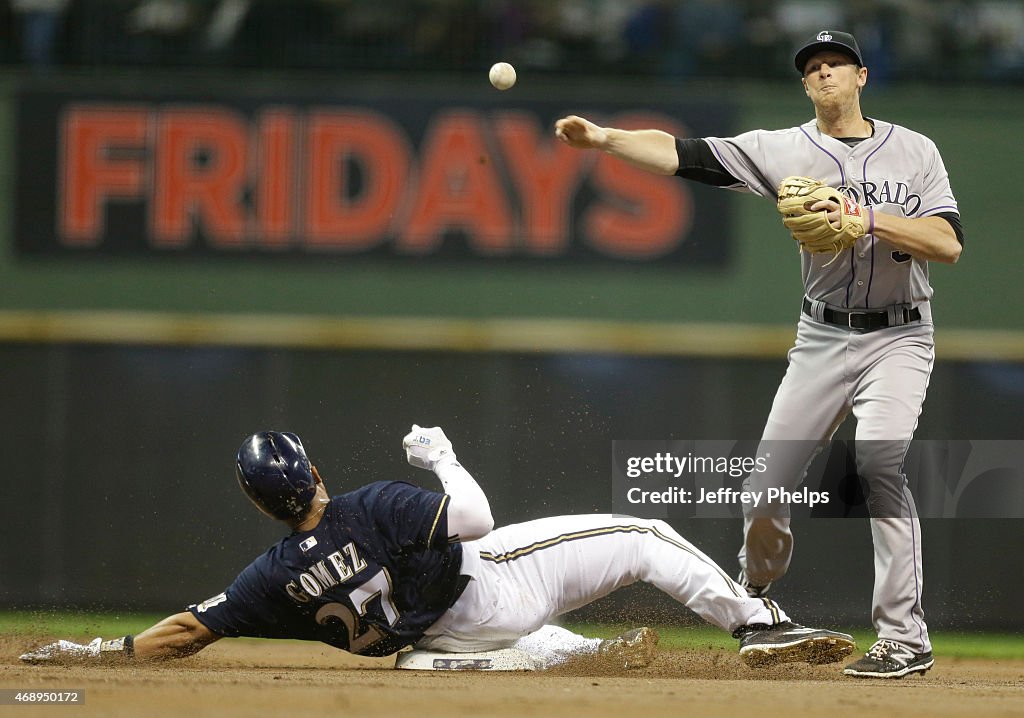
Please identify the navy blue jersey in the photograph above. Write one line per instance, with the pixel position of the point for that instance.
(373, 575)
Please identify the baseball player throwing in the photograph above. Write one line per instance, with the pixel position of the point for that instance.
(869, 204)
(391, 565)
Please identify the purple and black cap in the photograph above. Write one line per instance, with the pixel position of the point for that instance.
(842, 42)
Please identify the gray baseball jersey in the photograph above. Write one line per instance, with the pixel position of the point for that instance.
(896, 171)
(880, 376)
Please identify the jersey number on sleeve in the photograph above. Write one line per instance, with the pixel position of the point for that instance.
(379, 585)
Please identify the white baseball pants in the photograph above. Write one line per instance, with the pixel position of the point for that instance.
(524, 575)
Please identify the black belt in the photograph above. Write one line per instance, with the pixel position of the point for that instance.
(863, 321)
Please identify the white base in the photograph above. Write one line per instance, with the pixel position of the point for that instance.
(505, 659)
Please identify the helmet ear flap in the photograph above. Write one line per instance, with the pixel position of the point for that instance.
(274, 472)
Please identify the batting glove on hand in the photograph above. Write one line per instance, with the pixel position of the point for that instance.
(425, 448)
(69, 651)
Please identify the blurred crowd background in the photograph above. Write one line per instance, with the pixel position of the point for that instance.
(951, 41)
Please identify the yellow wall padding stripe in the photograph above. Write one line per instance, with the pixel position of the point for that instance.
(545, 335)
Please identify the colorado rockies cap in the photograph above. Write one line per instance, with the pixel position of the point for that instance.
(842, 42)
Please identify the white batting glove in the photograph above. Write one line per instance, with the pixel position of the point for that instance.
(69, 651)
(425, 448)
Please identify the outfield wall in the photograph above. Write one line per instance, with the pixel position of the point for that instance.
(120, 490)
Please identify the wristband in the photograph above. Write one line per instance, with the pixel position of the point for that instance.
(124, 646)
(445, 459)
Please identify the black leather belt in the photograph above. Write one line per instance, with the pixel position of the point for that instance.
(862, 321)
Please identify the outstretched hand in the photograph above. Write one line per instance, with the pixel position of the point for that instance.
(424, 448)
(580, 133)
(70, 652)
(63, 651)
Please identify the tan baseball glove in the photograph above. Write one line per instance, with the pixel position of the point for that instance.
(811, 228)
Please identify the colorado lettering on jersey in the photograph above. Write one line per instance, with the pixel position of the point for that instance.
(319, 578)
(874, 194)
(893, 193)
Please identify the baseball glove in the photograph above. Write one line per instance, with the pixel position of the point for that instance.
(812, 229)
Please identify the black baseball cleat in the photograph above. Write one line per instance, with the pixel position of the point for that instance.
(633, 649)
(889, 659)
(764, 645)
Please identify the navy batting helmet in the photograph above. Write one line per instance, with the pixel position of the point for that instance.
(274, 472)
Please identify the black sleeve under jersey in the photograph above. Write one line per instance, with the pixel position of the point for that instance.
(698, 163)
(954, 221)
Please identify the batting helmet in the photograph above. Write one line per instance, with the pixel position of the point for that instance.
(274, 472)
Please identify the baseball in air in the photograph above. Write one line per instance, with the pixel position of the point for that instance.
(502, 75)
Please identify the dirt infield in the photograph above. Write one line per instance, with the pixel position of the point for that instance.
(254, 678)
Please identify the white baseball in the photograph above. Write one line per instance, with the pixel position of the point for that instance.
(502, 75)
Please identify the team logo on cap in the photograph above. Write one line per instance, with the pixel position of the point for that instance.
(824, 36)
